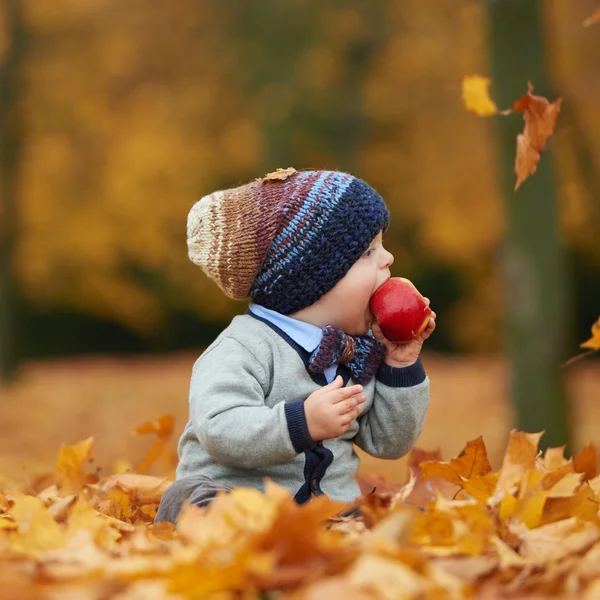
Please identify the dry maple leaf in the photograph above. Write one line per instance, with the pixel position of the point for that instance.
(594, 342)
(70, 463)
(475, 95)
(540, 117)
(471, 470)
(594, 18)
(163, 429)
(279, 174)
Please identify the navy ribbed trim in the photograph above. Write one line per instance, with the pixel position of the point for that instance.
(317, 461)
(401, 376)
(297, 426)
(319, 378)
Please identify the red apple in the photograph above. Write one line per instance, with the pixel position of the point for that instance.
(399, 310)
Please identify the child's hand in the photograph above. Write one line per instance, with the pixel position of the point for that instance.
(330, 410)
(404, 354)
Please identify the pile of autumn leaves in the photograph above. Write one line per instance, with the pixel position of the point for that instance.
(455, 529)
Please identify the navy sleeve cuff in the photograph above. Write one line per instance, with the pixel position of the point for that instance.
(297, 426)
(401, 376)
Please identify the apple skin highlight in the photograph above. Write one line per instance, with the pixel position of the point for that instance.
(399, 309)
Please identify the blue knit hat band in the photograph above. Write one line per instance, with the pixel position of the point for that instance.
(328, 220)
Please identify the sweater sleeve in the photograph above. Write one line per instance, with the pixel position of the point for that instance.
(229, 415)
(394, 422)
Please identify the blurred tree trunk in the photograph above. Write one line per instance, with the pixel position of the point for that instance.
(10, 152)
(535, 268)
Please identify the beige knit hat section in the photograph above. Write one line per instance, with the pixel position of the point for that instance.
(229, 239)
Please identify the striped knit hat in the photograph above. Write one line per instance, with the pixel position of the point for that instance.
(286, 239)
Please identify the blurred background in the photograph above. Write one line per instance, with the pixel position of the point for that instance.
(117, 116)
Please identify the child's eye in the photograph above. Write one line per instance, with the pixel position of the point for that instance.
(368, 252)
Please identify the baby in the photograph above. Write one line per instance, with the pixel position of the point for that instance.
(288, 388)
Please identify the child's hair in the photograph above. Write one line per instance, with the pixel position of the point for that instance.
(286, 239)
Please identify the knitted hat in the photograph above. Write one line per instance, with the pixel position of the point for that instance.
(285, 240)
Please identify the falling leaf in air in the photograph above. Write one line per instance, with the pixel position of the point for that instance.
(163, 429)
(594, 18)
(540, 117)
(594, 342)
(475, 95)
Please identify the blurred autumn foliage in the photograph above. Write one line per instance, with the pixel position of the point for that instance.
(134, 110)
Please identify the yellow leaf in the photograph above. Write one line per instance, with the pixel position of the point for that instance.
(83, 516)
(519, 459)
(36, 531)
(70, 463)
(7, 524)
(481, 488)
(531, 509)
(594, 342)
(475, 95)
(508, 505)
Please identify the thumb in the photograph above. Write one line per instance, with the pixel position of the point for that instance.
(337, 382)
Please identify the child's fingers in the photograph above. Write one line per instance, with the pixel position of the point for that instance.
(347, 392)
(350, 404)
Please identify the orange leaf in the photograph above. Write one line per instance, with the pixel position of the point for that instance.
(595, 18)
(441, 470)
(594, 342)
(142, 489)
(473, 460)
(163, 428)
(70, 465)
(279, 174)
(471, 464)
(540, 118)
(586, 462)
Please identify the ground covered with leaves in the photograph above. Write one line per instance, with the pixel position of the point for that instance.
(455, 529)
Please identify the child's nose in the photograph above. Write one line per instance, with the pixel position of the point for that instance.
(389, 259)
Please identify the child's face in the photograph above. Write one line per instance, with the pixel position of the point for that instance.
(347, 304)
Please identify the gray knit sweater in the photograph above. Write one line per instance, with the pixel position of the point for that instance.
(247, 418)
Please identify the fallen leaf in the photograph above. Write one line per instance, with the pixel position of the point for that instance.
(36, 530)
(507, 557)
(475, 95)
(540, 117)
(554, 458)
(594, 18)
(594, 342)
(386, 579)
(70, 463)
(279, 174)
(557, 540)
(519, 459)
(142, 489)
(586, 462)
